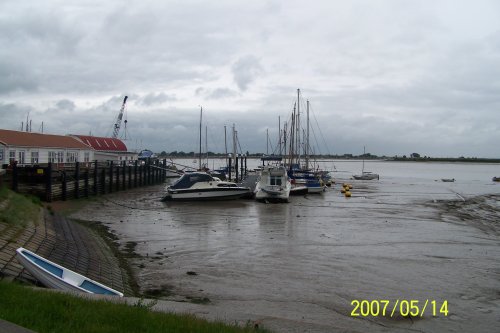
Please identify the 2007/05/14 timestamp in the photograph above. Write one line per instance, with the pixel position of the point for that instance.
(403, 307)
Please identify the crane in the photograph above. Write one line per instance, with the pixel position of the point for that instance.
(118, 123)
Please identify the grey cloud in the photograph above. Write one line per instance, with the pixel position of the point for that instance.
(65, 105)
(155, 98)
(245, 71)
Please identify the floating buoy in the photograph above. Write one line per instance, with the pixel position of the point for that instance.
(347, 194)
(343, 190)
(350, 186)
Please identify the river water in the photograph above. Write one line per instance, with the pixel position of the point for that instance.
(297, 267)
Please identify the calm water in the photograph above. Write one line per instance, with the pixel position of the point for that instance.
(296, 267)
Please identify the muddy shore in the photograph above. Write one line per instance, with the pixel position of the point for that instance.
(297, 267)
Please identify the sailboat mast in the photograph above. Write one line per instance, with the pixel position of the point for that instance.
(307, 139)
(279, 132)
(234, 144)
(267, 141)
(292, 138)
(297, 132)
(225, 143)
(199, 156)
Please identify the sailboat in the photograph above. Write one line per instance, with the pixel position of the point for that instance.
(365, 175)
(302, 176)
(202, 186)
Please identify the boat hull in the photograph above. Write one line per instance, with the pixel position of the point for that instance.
(299, 190)
(57, 277)
(272, 194)
(207, 194)
(369, 176)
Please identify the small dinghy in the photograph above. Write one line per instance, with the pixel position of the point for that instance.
(55, 276)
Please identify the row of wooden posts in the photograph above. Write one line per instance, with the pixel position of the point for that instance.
(67, 181)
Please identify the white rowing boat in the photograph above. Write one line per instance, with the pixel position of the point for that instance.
(55, 276)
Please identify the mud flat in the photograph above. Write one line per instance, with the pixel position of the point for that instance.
(297, 267)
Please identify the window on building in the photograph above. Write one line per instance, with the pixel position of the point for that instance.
(34, 157)
(21, 156)
(1, 155)
(86, 157)
(60, 157)
(71, 157)
(12, 156)
(52, 157)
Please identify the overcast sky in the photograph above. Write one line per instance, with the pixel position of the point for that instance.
(397, 76)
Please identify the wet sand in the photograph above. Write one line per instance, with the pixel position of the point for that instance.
(297, 267)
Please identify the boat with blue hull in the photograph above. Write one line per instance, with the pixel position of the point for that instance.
(56, 276)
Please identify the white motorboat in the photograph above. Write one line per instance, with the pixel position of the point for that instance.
(273, 184)
(55, 276)
(202, 186)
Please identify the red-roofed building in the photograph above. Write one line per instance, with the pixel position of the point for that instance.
(107, 149)
(36, 148)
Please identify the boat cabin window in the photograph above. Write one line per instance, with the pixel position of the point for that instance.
(189, 180)
(227, 185)
(275, 180)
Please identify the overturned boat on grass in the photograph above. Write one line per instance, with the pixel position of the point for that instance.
(56, 276)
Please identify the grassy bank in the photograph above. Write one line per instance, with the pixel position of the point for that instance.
(45, 311)
(17, 209)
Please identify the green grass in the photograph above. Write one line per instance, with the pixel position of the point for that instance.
(45, 311)
(17, 209)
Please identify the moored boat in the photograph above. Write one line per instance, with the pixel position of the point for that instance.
(273, 185)
(496, 179)
(202, 186)
(56, 276)
(366, 175)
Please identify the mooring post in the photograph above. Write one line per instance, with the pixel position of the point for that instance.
(124, 175)
(63, 175)
(118, 176)
(86, 183)
(103, 180)
(129, 176)
(14, 177)
(241, 167)
(110, 176)
(230, 167)
(164, 173)
(77, 180)
(135, 173)
(236, 167)
(96, 171)
(48, 183)
(246, 170)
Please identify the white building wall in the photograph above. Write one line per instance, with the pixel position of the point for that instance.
(43, 154)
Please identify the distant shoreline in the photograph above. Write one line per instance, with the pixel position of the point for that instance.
(369, 157)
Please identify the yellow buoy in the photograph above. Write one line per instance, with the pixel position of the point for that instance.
(350, 186)
(342, 190)
(347, 194)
